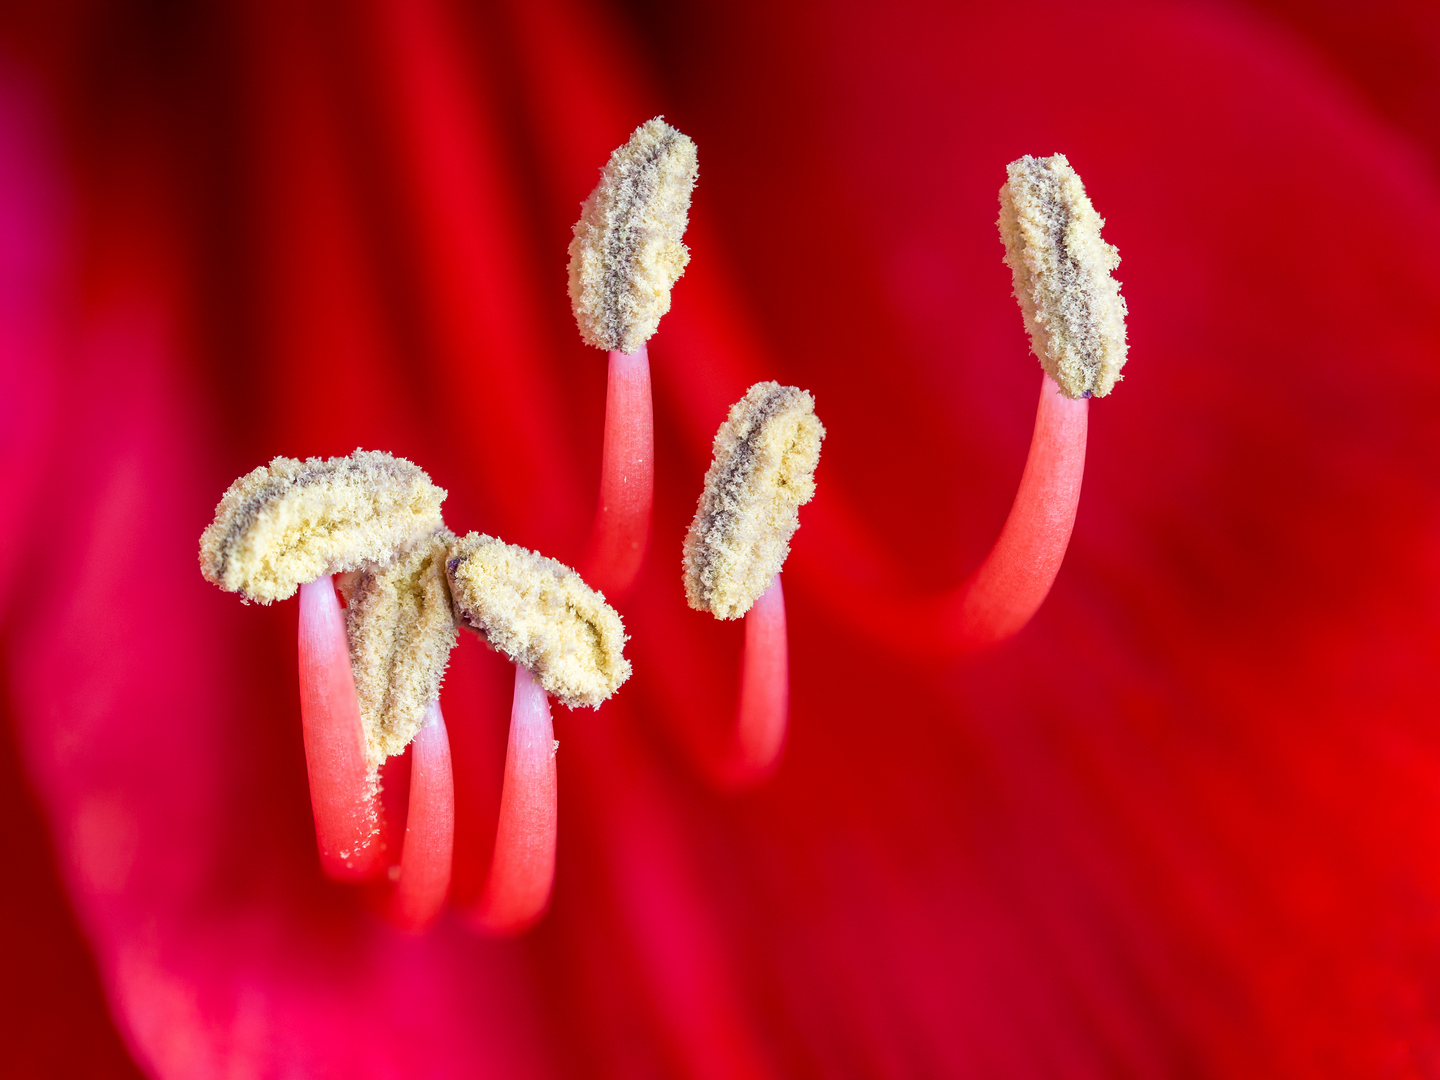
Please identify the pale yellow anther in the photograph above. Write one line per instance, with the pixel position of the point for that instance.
(763, 471)
(291, 521)
(627, 252)
(401, 628)
(1062, 272)
(541, 614)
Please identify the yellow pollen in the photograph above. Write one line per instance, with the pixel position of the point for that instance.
(291, 521)
(627, 252)
(762, 472)
(401, 628)
(542, 615)
(1072, 305)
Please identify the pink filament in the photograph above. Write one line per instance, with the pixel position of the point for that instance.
(342, 791)
(1013, 581)
(522, 869)
(627, 476)
(429, 828)
(1000, 597)
(764, 686)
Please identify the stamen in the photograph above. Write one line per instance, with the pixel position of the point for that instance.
(370, 679)
(425, 860)
(565, 640)
(627, 476)
(367, 677)
(343, 789)
(762, 472)
(626, 255)
(522, 870)
(1075, 316)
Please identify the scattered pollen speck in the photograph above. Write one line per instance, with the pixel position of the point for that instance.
(542, 615)
(763, 471)
(291, 521)
(627, 252)
(1062, 271)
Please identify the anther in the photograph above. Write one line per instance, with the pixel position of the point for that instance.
(762, 472)
(291, 521)
(628, 251)
(1062, 274)
(401, 628)
(542, 615)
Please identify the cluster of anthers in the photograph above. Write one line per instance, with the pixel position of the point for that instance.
(385, 586)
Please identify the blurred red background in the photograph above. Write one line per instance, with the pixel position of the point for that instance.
(1222, 726)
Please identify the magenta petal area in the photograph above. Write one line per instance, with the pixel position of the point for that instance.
(1186, 823)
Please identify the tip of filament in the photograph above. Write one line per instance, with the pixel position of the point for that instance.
(764, 710)
(343, 788)
(422, 879)
(621, 531)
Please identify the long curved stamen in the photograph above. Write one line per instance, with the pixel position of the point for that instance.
(1013, 581)
(762, 472)
(1062, 270)
(1003, 594)
(627, 476)
(1075, 316)
(764, 709)
(522, 869)
(625, 256)
(425, 860)
(343, 792)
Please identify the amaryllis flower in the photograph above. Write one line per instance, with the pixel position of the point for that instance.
(1186, 823)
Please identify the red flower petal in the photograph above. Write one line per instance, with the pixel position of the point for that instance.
(1187, 822)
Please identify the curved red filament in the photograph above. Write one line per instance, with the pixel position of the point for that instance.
(425, 860)
(1013, 581)
(1000, 597)
(764, 707)
(343, 791)
(522, 869)
(627, 476)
